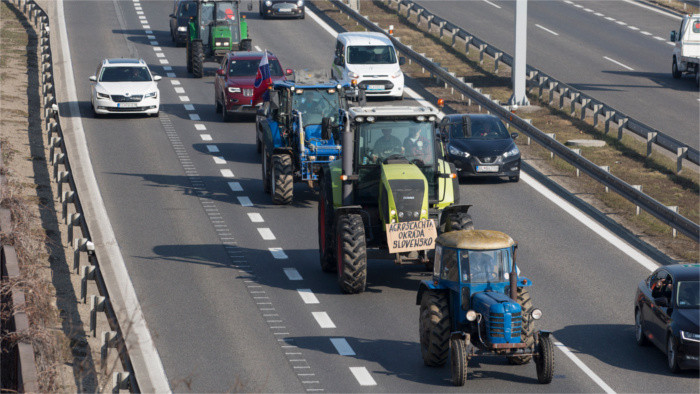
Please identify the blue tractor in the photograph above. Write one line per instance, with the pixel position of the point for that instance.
(298, 130)
(476, 304)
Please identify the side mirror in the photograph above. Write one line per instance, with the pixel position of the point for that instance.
(221, 72)
(157, 78)
(513, 135)
(261, 112)
(93, 78)
(402, 60)
(661, 301)
(172, 15)
(338, 61)
(673, 36)
(288, 71)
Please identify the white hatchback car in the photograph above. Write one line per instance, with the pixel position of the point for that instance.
(125, 86)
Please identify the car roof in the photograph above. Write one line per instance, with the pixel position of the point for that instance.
(364, 38)
(250, 55)
(123, 62)
(475, 240)
(458, 117)
(683, 271)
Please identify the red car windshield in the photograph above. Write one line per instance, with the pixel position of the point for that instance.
(249, 68)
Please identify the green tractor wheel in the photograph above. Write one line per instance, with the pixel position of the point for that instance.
(265, 170)
(544, 362)
(189, 57)
(434, 326)
(528, 326)
(246, 45)
(325, 236)
(281, 179)
(458, 360)
(351, 252)
(197, 59)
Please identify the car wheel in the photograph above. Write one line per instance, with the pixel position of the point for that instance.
(155, 115)
(225, 115)
(671, 354)
(514, 178)
(639, 329)
(674, 69)
(218, 106)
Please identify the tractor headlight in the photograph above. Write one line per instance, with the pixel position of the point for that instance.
(393, 220)
(300, 3)
(218, 43)
(457, 152)
(415, 214)
(234, 90)
(102, 95)
(153, 94)
(182, 28)
(400, 214)
(392, 212)
(331, 158)
(536, 314)
(312, 158)
(471, 315)
(512, 152)
(370, 119)
(268, 3)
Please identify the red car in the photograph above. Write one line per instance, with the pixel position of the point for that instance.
(233, 87)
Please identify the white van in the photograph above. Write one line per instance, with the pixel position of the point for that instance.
(371, 59)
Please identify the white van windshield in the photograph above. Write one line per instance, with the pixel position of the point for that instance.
(371, 54)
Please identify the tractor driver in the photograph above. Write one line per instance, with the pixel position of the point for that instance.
(386, 145)
(415, 146)
(483, 267)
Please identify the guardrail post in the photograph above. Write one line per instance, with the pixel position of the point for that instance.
(554, 137)
(606, 169)
(620, 126)
(681, 153)
(67, 198)
(597, 109)
(637, 187)
(109, 340)
(441, 29)
(54, 142)
(72, 223)
(609, 117)
(120, 381)
(577, 151)
(63, 177)
(467, 43)
(454, 37)
(97, 304)
(482, 49)
(584, 105)
(673, 208)
(552, 87)
(58, 159)
(496, 59)
(651, 138)
(88, 274)
(81, 245)
(562, 95)
(573, 97)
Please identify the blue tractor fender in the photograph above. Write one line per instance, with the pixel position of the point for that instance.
(524, 282)
(271, 134)
(427, 285)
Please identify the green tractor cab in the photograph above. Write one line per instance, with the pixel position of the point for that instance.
(392, 191)
(476, 304)
(216, 29)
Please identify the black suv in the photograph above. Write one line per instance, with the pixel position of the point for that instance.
(182, 11)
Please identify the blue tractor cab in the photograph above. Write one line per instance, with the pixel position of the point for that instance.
(476, 304)
(298, 131)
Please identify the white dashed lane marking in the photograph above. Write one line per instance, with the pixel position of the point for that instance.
(244, 201)
(323, 319)
(174, 82)
(184, 98)
(205, 137)
(292, 274)
(547, 30)
(189, 107)
(200, 127)
(618, 63)
(179, 90)
(219, 160)
(212, 148)
(277, 253)
(308, 296)
(363, 377)
(490, 3)
(170, 75)
(226, 173)
(342, 346)
(254, 216)
(167, 68)
(266, 234)
(195, 117)
(157, 49)
(164, 61)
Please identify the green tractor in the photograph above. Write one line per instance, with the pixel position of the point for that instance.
(216, 29)
(477, 304)
(392, 191)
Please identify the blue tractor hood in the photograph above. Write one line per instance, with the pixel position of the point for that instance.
(502, 315)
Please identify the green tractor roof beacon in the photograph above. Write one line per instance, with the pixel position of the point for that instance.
(476, 304)
(392, 190)
(216, 29)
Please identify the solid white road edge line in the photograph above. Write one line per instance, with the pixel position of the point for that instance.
(658, 11)
(584, 367)
(490, 3)
(147, 364)
(590, 223)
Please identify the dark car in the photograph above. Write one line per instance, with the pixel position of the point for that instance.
(282, 8)
(479, 145)
(182, 11)
(235, 78)
(666, 313)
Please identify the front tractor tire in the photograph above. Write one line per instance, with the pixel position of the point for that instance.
(246, 45)
(325, 233)
(197, 59)
(281, 179)
(528, 326)
(189, 56)
(459, 221)
(544, 361)
(351, 253)
(434, 326)
(458, 360)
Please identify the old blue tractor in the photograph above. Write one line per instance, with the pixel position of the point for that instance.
(476, 304)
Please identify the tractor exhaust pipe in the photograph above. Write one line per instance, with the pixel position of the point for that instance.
(348, 153)
(514, 277)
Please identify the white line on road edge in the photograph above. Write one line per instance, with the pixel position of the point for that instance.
(590, 223)
(618, 63)
(668, 14)
(584, 368)
(363, 377)
(292, 274)
(278, 253)
(490, 3)
(323, 319)
(547, 30)
(342, 346)
(144, 357)
(308, 296)
(255, 217)
(266, 234)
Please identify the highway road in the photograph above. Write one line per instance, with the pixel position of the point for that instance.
(231, 285)
(615, 51)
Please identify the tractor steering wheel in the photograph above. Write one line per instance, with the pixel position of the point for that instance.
(394, 156)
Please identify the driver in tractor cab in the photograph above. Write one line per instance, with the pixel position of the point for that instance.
(416, 147)
(312, 107)
(386, 145)
(483, 267)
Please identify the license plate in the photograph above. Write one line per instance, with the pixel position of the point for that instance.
(375, 87)
(127, 105)
(486, 168)
(285, 10)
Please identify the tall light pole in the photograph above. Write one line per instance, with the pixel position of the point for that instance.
(520, 59)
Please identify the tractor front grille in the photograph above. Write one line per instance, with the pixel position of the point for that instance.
(500, 325)
(118, 98)
(408, 197)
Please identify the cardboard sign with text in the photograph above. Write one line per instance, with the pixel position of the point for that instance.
(409, 236)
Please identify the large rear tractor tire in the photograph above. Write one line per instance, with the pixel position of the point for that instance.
(351, 253)
(281, 179)
(325, 233)
(458, 360)
(197, 55)
(434, 326)
(189, 56)
(544, 362)
(459, 221)
(528, 326)
(265, 170)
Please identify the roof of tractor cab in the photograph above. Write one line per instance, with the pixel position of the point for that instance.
(363, 38)
(392, 111)
(475, 240)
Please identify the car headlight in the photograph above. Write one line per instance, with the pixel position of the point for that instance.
(300, 3)
(182, 28)
(690, 336)
(353, 75)
(153, 94)
(268, 3)
(397, 74)
(234, 90)
(513, 152)
(102, 95)
(457, 152)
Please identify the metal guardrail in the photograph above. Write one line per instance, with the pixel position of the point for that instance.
(627, 191)
(90, 272)
(539, 79)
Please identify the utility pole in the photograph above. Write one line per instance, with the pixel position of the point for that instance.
(520, 59)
